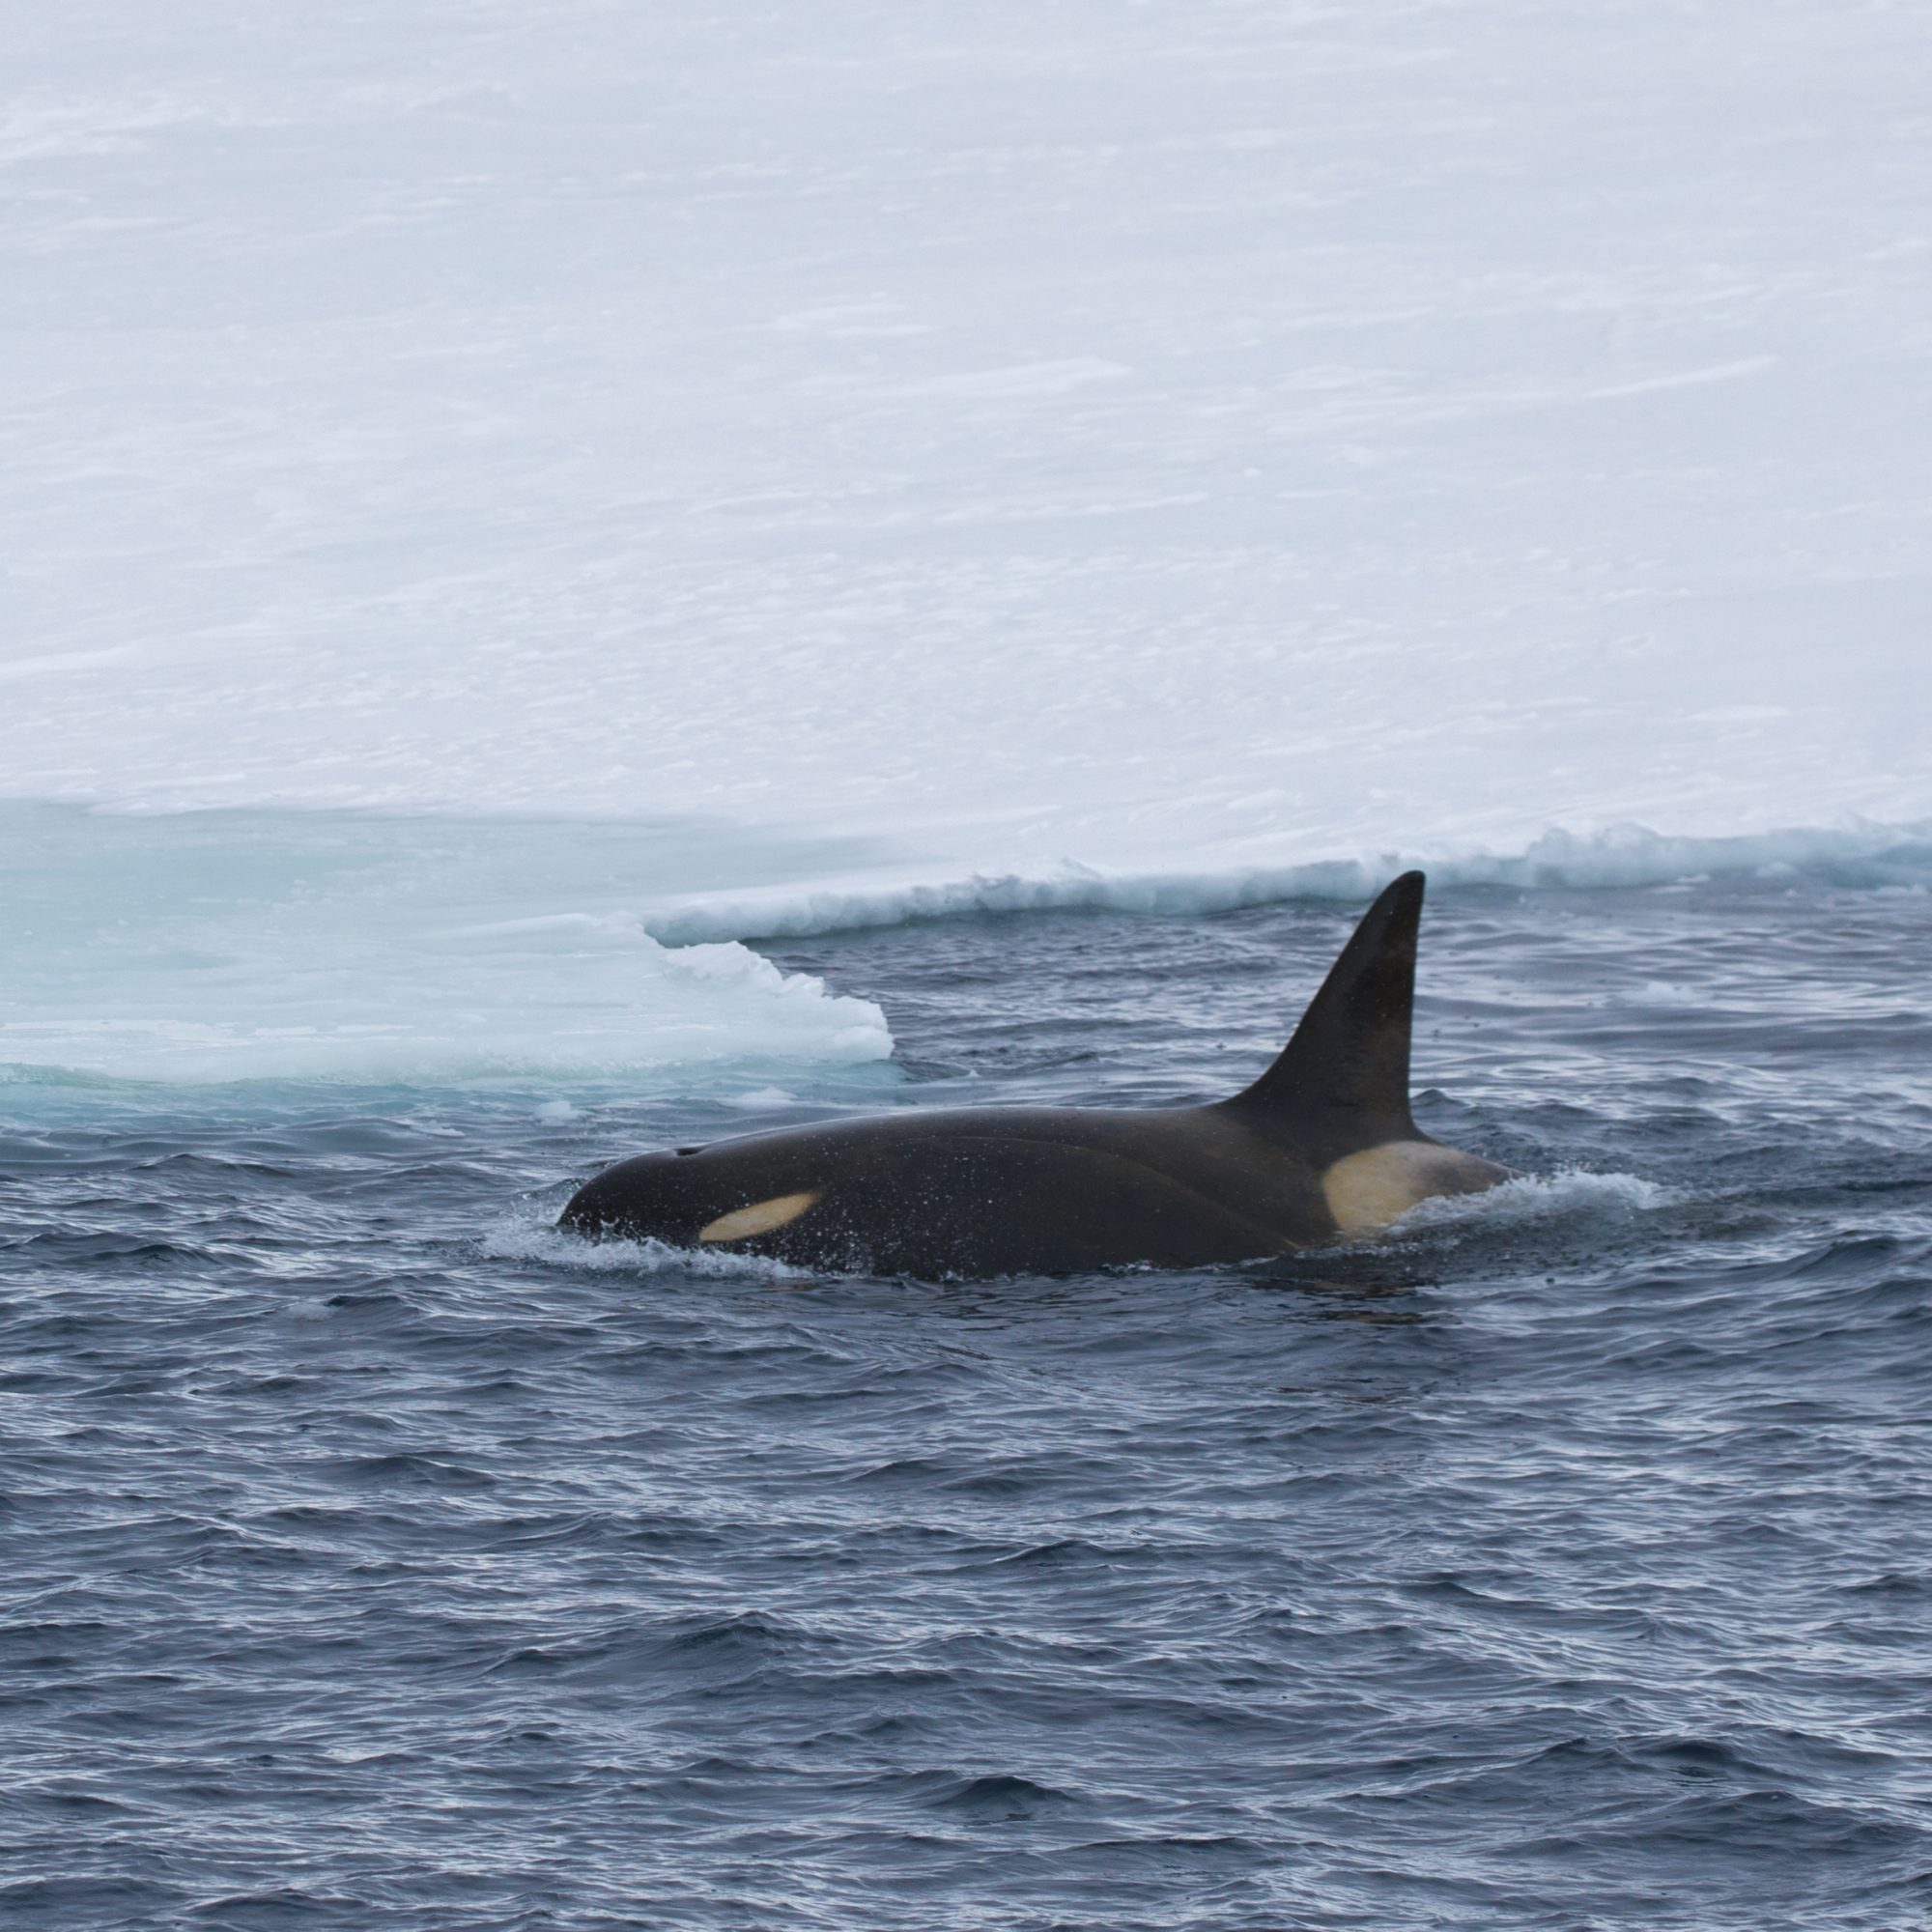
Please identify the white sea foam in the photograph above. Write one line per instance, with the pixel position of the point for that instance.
(521, 1240)
(1570, 1194)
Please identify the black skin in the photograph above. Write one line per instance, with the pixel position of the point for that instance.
(1050, 1190)
(999, 1190)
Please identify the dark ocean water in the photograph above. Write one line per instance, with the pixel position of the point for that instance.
(374, 1558)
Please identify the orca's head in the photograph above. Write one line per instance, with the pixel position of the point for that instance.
(673, 1197)
(644, 1197)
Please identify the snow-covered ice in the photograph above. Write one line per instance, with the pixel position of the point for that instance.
(228, 946)
(1190, 447)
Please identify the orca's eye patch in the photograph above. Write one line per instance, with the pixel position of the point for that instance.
(760, 1218)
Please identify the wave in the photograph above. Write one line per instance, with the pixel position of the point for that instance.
(1529, 1199)
(1864, 854)
(522, 1240)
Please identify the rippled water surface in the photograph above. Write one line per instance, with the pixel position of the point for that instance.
(376, 1557)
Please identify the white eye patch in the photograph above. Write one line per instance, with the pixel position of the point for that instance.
(760, 1218)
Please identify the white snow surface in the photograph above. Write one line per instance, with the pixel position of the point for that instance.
(1171, 438)
(1162, 452)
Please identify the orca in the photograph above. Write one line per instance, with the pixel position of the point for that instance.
(1320, 1149)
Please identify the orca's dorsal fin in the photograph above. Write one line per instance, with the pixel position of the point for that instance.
(1349, 1059)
